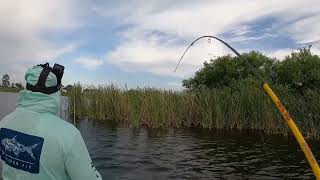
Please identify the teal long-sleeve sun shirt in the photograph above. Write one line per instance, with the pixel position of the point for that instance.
(36, 144)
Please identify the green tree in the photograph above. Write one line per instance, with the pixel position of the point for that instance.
(19, 85)
(68, 88)
(300, 71)
(225, 70)
(6, 80)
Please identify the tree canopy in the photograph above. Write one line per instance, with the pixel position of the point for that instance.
(6, 80)
(299, 71)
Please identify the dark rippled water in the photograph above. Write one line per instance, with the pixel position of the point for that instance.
(124, 153)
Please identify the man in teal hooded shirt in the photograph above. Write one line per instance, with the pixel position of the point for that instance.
(35, 143)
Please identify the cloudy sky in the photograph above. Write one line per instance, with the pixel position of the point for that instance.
(138, 43)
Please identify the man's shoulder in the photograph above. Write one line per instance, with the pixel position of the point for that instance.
(61, 124)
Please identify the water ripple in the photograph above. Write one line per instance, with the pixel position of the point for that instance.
(123, 153)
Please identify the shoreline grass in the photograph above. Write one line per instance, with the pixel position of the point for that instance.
(9, 89)
(244, 108)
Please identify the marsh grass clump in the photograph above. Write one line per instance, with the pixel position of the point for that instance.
(243, 108)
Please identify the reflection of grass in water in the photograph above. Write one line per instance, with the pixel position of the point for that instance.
(9, 89)
(246, 107)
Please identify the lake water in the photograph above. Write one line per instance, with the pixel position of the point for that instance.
(7, 103)
(124, 153)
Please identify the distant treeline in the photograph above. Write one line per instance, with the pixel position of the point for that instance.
(5, 83)
(222, 95)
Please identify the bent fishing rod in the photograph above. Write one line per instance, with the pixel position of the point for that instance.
(285, 114)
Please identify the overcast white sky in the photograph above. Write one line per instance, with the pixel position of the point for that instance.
(138, 43)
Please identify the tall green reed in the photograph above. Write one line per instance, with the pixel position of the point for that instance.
(243, 107)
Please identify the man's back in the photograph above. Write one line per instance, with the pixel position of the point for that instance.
(48, 161)
(36, 144)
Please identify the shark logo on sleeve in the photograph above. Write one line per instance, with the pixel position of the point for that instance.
(20, 150)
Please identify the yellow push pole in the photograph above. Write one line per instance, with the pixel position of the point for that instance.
(292, 125)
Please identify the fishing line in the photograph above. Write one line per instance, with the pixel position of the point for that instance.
(285, 114)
